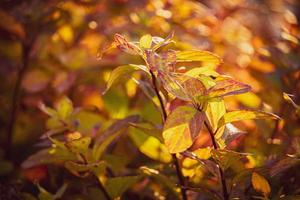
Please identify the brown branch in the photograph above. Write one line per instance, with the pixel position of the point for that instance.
(222, 175)
(175, 160)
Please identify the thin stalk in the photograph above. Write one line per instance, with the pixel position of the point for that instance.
(102, 188)
(175, 160)
(16, 98)
(222, 175)
(104, 191)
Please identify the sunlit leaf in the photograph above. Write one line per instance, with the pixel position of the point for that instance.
(118, 185)
(128, 47)
(160, 42)
(183, 87)
(214, 111)
(227, 134)
(238, 115)
(260, 184)
(207, 71)
(182, 127)
(150, 146)
(226, 86)
(121, 73)
(146, 41)
(226, 158)
(288, 98)
(206, 58)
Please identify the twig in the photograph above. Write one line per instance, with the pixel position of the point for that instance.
(222, 175)
(175, 160)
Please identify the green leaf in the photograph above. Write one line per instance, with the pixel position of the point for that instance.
(206, 58)
(118, 185)
(146, 41)
(64, 107)
(182, 127)
(238, 115)
(121, 73)
(260, 184)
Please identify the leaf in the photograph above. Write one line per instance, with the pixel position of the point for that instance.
(182, 127)
(11, 25)
(160, 42)
(110, 134)
(83, 170)
(183, 87)
(47, 110)
(128, 47)
(238, 115)
(283, 165)
(288, 98)
(226, 86)
(161, 178)
(214, 112)
(146, 41)
(121, 73)
(150, 146)
(226, 158)
(207, 71)
(227, 134)
(80, 145)
(64, 107)
(99, 149)
(260, 184)
(205, 57)
(118, 185)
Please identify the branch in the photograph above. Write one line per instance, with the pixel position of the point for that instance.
(222, 175)
(175, 160)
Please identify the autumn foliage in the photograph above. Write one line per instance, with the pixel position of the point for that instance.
(150, 100)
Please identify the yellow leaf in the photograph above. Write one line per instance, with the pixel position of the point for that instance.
(182, 128)
(146, 41)
(239, 115)
(260, 184)
(205, 57)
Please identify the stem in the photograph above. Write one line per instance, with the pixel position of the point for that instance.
(102, 188)
(222, 175)
(175, 160)
(161, 103)
(16, 98)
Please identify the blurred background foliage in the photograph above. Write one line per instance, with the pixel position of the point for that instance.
(50, 49)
